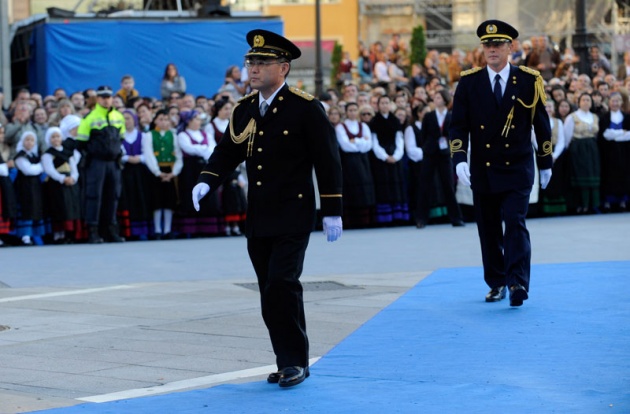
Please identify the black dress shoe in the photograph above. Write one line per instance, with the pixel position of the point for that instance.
(291, 376)
(274, 377)
(517, 295)
(496, 294)
(458, 223)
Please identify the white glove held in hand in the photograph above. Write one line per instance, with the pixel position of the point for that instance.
(545, 176)
(198, 192)
(463, 173)
(333, 227)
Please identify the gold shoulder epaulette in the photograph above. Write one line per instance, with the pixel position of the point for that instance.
(529, 70)
(470, 71)
(247, 96)
(301, 93)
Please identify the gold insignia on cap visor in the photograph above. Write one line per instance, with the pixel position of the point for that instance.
(491, 29)
(259, 41)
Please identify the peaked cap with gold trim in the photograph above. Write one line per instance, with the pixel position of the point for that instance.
(266, 44)
(496, 31)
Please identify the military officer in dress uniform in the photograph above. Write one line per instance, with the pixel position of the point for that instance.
(282, 133)
(494, 109)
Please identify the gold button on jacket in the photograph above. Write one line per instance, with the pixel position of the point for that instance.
(293, 138)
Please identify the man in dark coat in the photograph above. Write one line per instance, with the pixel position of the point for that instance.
(494, 109)
(282, 133)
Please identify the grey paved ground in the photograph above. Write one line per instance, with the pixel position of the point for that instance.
(85, 321)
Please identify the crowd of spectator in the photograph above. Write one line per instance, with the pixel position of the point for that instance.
(588, 112)
(42, 193)
(377, 107)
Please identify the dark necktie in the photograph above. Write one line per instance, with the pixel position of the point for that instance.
(497, 89)
(263, 108)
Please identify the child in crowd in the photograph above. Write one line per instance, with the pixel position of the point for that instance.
(28, 188)
(127, 91)
(232, 192)
(355, 143)
(164, 159)
(133, 207)
(68, 127)
(196, 148)
(60, 188)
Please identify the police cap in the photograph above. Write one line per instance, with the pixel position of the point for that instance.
(104, 91)
(496, 31)
(266, 44)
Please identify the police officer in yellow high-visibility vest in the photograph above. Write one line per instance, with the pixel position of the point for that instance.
(100, 137)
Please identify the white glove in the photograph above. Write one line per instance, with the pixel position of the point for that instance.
(613, 134)
(545, 176)
(463, 173)
(333, 227)
(198, 192)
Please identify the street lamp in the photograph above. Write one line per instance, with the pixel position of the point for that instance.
(318, 52)
(580, 39)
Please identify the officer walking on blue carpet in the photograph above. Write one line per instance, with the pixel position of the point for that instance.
(282, 133)
(494, 110)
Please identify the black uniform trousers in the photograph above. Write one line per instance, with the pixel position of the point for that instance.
(102, 191)
(506, 255)
(444, 166)
(278, 263)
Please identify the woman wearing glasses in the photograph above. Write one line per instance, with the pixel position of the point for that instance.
(366, 113)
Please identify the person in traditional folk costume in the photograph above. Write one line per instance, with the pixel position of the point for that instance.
(554, 197)
(233, 199)
(355, 142)
(28, 189)
(134, 210)
(614, 148)
(388, 149)
(437, 161)
(196, 147)
(580, 131)
(61, 191)
(164, 159)
(69, 126)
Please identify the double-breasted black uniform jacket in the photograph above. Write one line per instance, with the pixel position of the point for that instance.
(501, 156)
(280, 150)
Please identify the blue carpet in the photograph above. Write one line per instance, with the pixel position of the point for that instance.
(441, 349)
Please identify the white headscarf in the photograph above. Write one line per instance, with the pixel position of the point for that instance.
(20, 145)
(50, 131)
(67, 123)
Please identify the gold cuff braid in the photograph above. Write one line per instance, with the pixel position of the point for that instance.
(456, 146)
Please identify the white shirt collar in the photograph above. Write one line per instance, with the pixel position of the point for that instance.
(616, 116)
(270, 99)
(131, 136)
(584, 116)
(504, 73)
